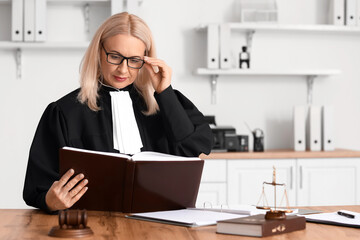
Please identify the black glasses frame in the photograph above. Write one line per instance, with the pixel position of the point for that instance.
(124, 58)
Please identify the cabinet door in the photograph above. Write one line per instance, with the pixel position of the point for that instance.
(214, 171)
(212, 191)
(246, 177)
(328, 181)
(211, 194)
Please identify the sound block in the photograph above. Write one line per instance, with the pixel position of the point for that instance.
(70, 232)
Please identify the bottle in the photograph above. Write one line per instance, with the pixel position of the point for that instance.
(244, 58)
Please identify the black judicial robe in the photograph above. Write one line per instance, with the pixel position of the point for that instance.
(179, 128)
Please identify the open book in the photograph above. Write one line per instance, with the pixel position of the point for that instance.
(146, 181)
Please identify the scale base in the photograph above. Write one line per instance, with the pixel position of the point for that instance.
(275, 214)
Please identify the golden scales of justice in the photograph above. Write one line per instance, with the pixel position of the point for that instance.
(274, 213)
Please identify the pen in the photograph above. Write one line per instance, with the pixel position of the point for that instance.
(348, 215)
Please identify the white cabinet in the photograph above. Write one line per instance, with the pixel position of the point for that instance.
(211, 194)
(328, 181)
(213, 188)
(246, 177)
(309, 181)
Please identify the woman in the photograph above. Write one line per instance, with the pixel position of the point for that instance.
(122, 86)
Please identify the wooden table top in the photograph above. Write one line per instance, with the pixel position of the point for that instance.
(282, 154)
(35, 224)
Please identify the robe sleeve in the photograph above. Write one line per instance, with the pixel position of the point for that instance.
(43, 164)
(186, 129)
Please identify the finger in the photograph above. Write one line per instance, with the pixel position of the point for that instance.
(73, 182)
(156, 62)
(78, 188)
(78, 196)
(161, 65)
(151, 70)
(65, 178)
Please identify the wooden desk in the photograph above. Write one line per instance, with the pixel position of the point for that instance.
(281, 154)
(34, 224)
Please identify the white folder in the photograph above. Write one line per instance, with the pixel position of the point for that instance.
(350, 12)
(337, 12)
(299, 121)
(213, 45)
(313, 136)
(29, 20)
(40, 20)
(17, 16)
(225, 46)
(328, 128)
(357, 13)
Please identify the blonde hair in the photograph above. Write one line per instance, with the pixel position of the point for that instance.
(90, 68)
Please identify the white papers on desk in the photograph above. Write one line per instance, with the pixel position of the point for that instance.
(241, 209)
(335, 219)
(185, 217)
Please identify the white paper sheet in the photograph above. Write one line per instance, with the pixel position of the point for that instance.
(335, 218)
(185, 217)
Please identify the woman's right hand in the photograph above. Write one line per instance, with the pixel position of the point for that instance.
(62, 194)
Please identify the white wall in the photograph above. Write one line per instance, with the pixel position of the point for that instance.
(264, 102)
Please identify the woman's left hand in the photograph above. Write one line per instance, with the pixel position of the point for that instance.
(161, 79)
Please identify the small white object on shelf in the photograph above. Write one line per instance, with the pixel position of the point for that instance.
(258, 11)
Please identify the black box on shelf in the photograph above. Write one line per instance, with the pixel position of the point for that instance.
(243, 143)
(219, 136)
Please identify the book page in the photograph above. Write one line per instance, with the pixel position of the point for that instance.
(141, 156)
(120, 155)
(156, 156)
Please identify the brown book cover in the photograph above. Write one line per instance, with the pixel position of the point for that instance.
(141, 183)
(258, 226)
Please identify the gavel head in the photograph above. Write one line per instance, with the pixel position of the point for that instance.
(73, 218)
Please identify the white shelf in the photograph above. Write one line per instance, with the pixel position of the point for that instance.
(261, 72)
(65, 1)
(43, 45)
(310, 74)
(290, 27)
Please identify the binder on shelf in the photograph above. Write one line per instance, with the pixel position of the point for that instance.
(40, 20)
(213, 45)
(225, 46)
(17, 15)
(358, 13)
(313, 136)
(299, 123)
(350, 12)
(337, 12)
(143, 182)
(328, 128)
(29, 20)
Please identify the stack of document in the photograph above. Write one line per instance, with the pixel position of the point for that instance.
(185, 217)
(196, 217)
(334, 218)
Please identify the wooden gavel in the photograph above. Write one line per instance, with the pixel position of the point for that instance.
(75, 219)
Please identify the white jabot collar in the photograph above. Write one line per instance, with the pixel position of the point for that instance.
(126, 136)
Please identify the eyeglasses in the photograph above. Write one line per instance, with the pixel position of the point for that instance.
(117, 59)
